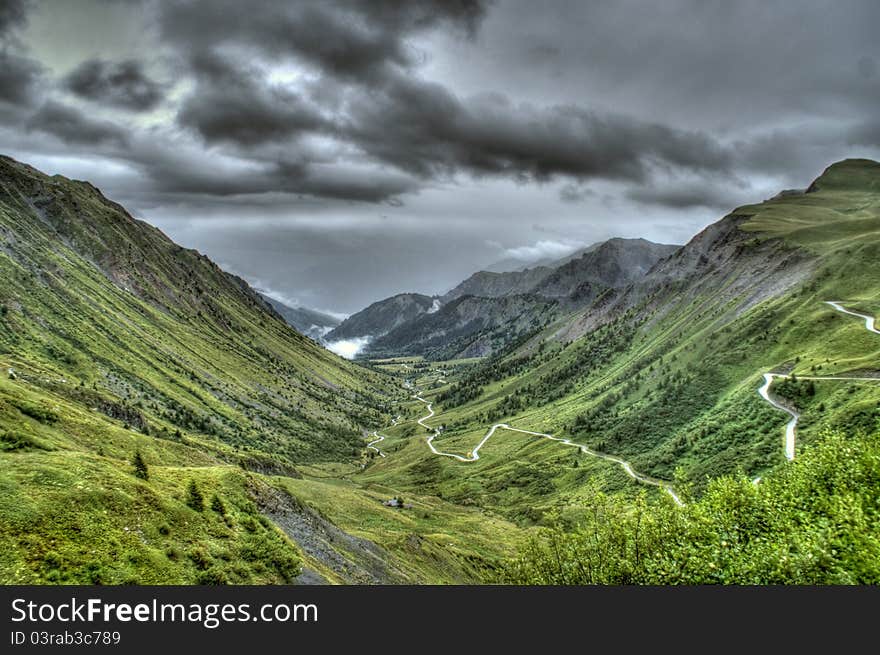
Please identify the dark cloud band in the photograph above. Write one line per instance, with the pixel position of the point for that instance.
(122, 84)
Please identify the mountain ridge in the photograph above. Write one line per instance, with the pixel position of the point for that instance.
(482, 323)
(309, 322)
(119, 348)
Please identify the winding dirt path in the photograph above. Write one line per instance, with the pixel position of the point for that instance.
(474, 455)
(869, 320)
(764, 391)
(380, 437)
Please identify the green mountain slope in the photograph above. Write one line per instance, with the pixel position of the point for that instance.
(106, 311)
(115, 341)
(664, 373)
(155, 414)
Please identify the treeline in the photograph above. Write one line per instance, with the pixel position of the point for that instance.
(812, 521)
(473, 384)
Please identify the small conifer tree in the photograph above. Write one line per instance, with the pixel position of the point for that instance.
(194, 497)
(140, 466)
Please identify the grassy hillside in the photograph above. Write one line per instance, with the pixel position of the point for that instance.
(115, 343)
(160, 423)
(666, 373)
(812, 522)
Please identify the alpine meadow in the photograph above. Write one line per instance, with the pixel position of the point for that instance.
(289, 295)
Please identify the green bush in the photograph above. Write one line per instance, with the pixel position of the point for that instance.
(11, 441)
(813, 521)
(37, 412)
(140, 466)
(194, 497)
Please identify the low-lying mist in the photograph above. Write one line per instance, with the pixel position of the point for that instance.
(348, 348)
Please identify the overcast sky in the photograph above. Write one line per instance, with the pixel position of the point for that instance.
(337, 153)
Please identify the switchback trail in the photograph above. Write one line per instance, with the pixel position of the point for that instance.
(380, 437)
(475, 453)
(869, 320)
(764, 391)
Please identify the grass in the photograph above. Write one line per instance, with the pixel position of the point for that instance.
(671, 384)
(120, 342)
(811, 522)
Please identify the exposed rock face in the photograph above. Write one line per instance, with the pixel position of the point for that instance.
(353, 560)
(383, 316)
(468, 327)
(486, 284)
(488, 310)
(723, 262)
(613, 264)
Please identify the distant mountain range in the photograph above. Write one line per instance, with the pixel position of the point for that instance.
(311, 323)
(161, 423)
(512, 264)
(489, 309)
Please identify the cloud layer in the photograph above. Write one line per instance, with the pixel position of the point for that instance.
(581, 119)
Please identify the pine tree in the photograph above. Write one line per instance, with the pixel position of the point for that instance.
(140, 466)
(194, 497)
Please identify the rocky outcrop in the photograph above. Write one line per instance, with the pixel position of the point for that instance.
(383, 316)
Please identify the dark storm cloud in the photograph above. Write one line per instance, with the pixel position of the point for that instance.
(121, 84)
(355, 39)
(684, 197)
(20, 78)
(159, 172)
(423, 128)
(368, 98)
(177, 180)
(353, 42)
(584, 120)
(231, 103)
(74, 127)
(419, 127)
(13, 14)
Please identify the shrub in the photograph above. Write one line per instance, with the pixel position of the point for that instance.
(140, 466)
(811, 521)
(11, 441)
(217, 505)
(194, 497)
